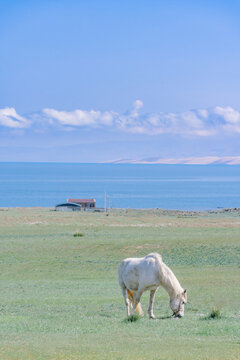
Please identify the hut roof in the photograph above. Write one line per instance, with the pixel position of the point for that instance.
(81, 200)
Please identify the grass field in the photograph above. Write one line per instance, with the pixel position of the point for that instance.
(60, 297)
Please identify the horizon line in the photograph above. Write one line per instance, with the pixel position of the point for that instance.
(197, 160)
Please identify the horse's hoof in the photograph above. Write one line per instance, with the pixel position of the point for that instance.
(152, 317)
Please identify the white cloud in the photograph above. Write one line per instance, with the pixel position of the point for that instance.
(154, 120)
(232, 128)
(10, 118)
(203, 113)
(191, 119)
(199, 123)
(229, 114)
(80, 117)
(137, 105)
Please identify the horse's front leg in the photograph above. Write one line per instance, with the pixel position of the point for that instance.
(151, 301)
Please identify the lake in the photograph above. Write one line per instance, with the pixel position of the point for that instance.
(183, 187)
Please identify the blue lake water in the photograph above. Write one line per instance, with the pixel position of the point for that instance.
(185, 187)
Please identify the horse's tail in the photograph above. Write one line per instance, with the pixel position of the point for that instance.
(138, 307)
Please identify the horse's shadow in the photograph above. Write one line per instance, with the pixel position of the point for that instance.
(163, 317)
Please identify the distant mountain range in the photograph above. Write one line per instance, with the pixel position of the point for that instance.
(206, 160)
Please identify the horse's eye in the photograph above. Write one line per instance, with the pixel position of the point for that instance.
(183, 302)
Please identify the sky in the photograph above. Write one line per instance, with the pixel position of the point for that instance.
(92, 81)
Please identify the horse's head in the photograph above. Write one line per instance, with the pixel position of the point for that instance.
(177, 304)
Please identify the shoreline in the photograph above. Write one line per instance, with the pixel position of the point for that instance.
(148, 210)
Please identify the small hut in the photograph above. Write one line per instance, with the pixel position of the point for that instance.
(84, 203)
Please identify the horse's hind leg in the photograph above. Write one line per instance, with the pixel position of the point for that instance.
(126, 299)
(137, 306)
(151, 301)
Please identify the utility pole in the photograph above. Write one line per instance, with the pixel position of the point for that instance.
(105, 201)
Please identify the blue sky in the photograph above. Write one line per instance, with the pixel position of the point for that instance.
(101, 80)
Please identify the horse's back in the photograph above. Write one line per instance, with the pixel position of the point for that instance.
(135, 272)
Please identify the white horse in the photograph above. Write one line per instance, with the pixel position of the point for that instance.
(136, 275)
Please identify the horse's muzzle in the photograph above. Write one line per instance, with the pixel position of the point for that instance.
(178, 314)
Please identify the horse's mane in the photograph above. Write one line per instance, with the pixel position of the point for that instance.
(167, 278)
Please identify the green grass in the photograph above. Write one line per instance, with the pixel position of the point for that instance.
(60, 298)
(132, 318)
(214, 314)
(77, 234)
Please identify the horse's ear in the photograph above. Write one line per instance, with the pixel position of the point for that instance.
(185, 290)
